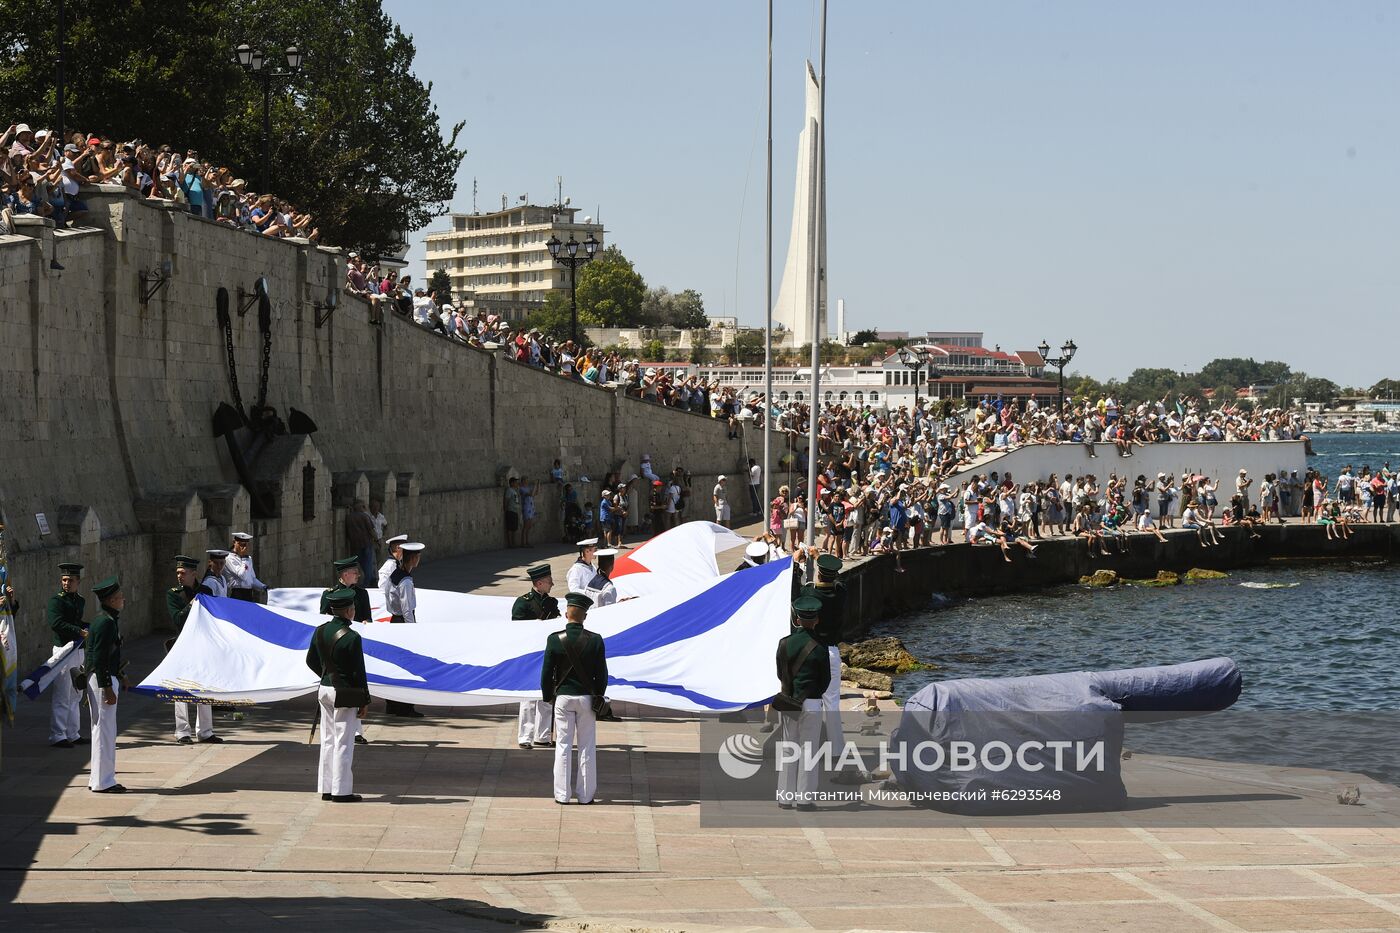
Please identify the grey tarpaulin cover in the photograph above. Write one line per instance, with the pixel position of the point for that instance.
(1081, 708)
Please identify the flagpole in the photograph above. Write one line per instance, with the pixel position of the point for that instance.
(768, 300)
(818, 277)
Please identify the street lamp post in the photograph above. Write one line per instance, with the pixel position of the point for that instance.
(257, 66)
(1061, 361)
(566, 254)
(915, 361)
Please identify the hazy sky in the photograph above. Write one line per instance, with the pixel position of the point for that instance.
(1163, 183)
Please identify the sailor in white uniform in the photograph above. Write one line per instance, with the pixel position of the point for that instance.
(386, 569)
(757, 552)
(582, 570)
(213, 583)
(240, 578)
(401, 602)
(601, 589)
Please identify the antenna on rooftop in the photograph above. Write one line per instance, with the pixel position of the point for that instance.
(473, 194)
(559, 184)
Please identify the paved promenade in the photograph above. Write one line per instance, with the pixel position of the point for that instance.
(459, 831)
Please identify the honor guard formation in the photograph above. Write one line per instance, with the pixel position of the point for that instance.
(87, 665)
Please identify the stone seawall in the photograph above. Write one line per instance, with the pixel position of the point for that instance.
(878, 591)
(106, 405)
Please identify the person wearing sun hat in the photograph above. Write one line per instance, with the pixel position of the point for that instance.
(536, 722)
(105, 680)
(178, 600)
(575, 670)
(65, 617)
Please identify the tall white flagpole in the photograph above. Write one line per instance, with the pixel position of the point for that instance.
(768, 301)
(818, 276)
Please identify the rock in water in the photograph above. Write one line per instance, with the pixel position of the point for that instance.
(1196, 573)
(866, 680)
(1163, 578)
(1100, 578)
(886, 654)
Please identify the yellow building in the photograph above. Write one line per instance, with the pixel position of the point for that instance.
(500, 263)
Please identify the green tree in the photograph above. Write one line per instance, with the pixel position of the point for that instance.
(1385, 389)
(355, 137)
(654, 351)
(688, 310)
(554, 319)
(610, 290)
(746, 347)
(861, 337)
(441, 285)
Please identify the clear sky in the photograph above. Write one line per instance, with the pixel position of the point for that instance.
(1163, 183)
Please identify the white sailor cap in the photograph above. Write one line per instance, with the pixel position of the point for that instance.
(216, 553)
(414, 547)
(242, 536)
(587, 542)
(607, 552)
(396, 539)
(756, 549)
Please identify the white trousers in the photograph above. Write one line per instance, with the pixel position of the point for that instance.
(536, 721)
(805, 729)
(103, 765)
(204, 720)
(338, 727)
(66, 715)
(831, 704)
(574, 724)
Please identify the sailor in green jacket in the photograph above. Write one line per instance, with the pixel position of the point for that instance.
(65, 617)
(347, 574)
(575, 671)
(536, 725)
(178, 600)
(832, 592)
(105, 681)
(337, 656)
(804, 673)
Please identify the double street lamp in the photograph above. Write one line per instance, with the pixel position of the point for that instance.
(916, 361)
(260, 68)
(566, 254)
(1061, 361)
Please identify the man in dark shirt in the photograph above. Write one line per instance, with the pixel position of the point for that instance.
(106, 678)
(178, 600)
(575, 671)
(804, 673)
(337, 656)
(65, 617)
(536, 722)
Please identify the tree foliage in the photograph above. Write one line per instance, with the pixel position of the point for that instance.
(355, 137)
(663, 308)
(554, 320)
(440, 285)
(1237, 372)
(861, 337)
(610, 290)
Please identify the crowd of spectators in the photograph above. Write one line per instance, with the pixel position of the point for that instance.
(530, 347)
(44, 176)
(888, 481)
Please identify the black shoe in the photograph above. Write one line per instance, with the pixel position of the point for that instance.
(327, 797)
(212, 740)
(806, 807)
(114, 789)
(361, 740)
(346, 798)
(79, 741)
(784, 806)
(542, 745)
(185, 740)
(562, 803)
(62, 743)
(526, 745)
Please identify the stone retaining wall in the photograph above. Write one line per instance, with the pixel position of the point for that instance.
(106, 404)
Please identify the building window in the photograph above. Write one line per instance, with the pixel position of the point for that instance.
(860, 398)
(874, 397)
